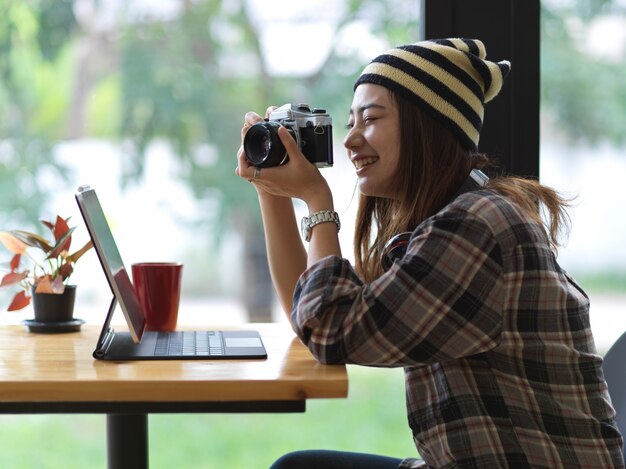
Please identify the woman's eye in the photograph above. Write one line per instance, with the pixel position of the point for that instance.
(349, 125)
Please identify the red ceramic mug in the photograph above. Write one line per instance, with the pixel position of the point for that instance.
(158, 290)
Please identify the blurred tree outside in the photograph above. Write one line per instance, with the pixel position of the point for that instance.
(35, 95)
(583, 143)
(583, 90)
(185, 75)
(186, 72)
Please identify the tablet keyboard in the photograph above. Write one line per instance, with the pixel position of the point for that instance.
(188, 344)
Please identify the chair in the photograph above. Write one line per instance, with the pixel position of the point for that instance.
(614, 367)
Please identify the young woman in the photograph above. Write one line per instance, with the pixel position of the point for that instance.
(500, 363)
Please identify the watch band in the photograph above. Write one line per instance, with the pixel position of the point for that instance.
(323, 216)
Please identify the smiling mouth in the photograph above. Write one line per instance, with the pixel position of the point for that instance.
(361, 163)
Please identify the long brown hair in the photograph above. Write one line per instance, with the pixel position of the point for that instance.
(433, 165)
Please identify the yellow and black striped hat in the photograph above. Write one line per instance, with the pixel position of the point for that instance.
(450, 79)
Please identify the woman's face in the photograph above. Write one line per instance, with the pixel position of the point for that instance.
(373, 140)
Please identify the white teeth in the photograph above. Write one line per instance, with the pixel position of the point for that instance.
(364, 162)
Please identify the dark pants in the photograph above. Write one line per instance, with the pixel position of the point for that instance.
(323, 459)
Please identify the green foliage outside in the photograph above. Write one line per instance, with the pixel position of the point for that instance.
(585, 95)
(62, 78)
(612, 281)
(186, 79)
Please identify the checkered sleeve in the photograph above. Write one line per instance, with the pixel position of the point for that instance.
(442, 300)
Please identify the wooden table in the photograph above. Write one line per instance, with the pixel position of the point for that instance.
(55, 373)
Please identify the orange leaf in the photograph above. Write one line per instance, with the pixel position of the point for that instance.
(15, 262)
(44, 285)
(78, 254)
(12, 243)
(48, 225)
(12, 278)
(57, 285)
(62, 244)
(60, 228)
(32, 239)
(66, 270)
(20, 300)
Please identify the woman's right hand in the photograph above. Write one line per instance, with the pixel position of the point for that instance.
(297, 178)
(244, 169)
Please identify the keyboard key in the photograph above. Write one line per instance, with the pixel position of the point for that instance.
(188, 343)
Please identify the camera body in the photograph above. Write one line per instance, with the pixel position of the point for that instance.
(310, 128)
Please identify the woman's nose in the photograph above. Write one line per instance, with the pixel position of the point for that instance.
(353, 139)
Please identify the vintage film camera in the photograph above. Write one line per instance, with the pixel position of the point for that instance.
(310, 128)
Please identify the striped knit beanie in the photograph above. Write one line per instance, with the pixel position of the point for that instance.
(450, 79)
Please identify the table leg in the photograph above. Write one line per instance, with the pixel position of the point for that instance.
(127, 441)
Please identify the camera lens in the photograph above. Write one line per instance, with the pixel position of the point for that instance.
(262, 145)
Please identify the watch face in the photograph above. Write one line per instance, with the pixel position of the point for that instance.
(304, 228)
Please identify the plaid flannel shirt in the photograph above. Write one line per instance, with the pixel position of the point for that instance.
(500, 364)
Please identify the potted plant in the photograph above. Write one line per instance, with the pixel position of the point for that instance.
(46, 281)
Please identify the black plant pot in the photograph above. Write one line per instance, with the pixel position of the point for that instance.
(54, 308)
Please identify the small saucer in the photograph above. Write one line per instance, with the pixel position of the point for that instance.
(53, 327)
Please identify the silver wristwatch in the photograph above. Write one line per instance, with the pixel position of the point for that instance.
(323, 216)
